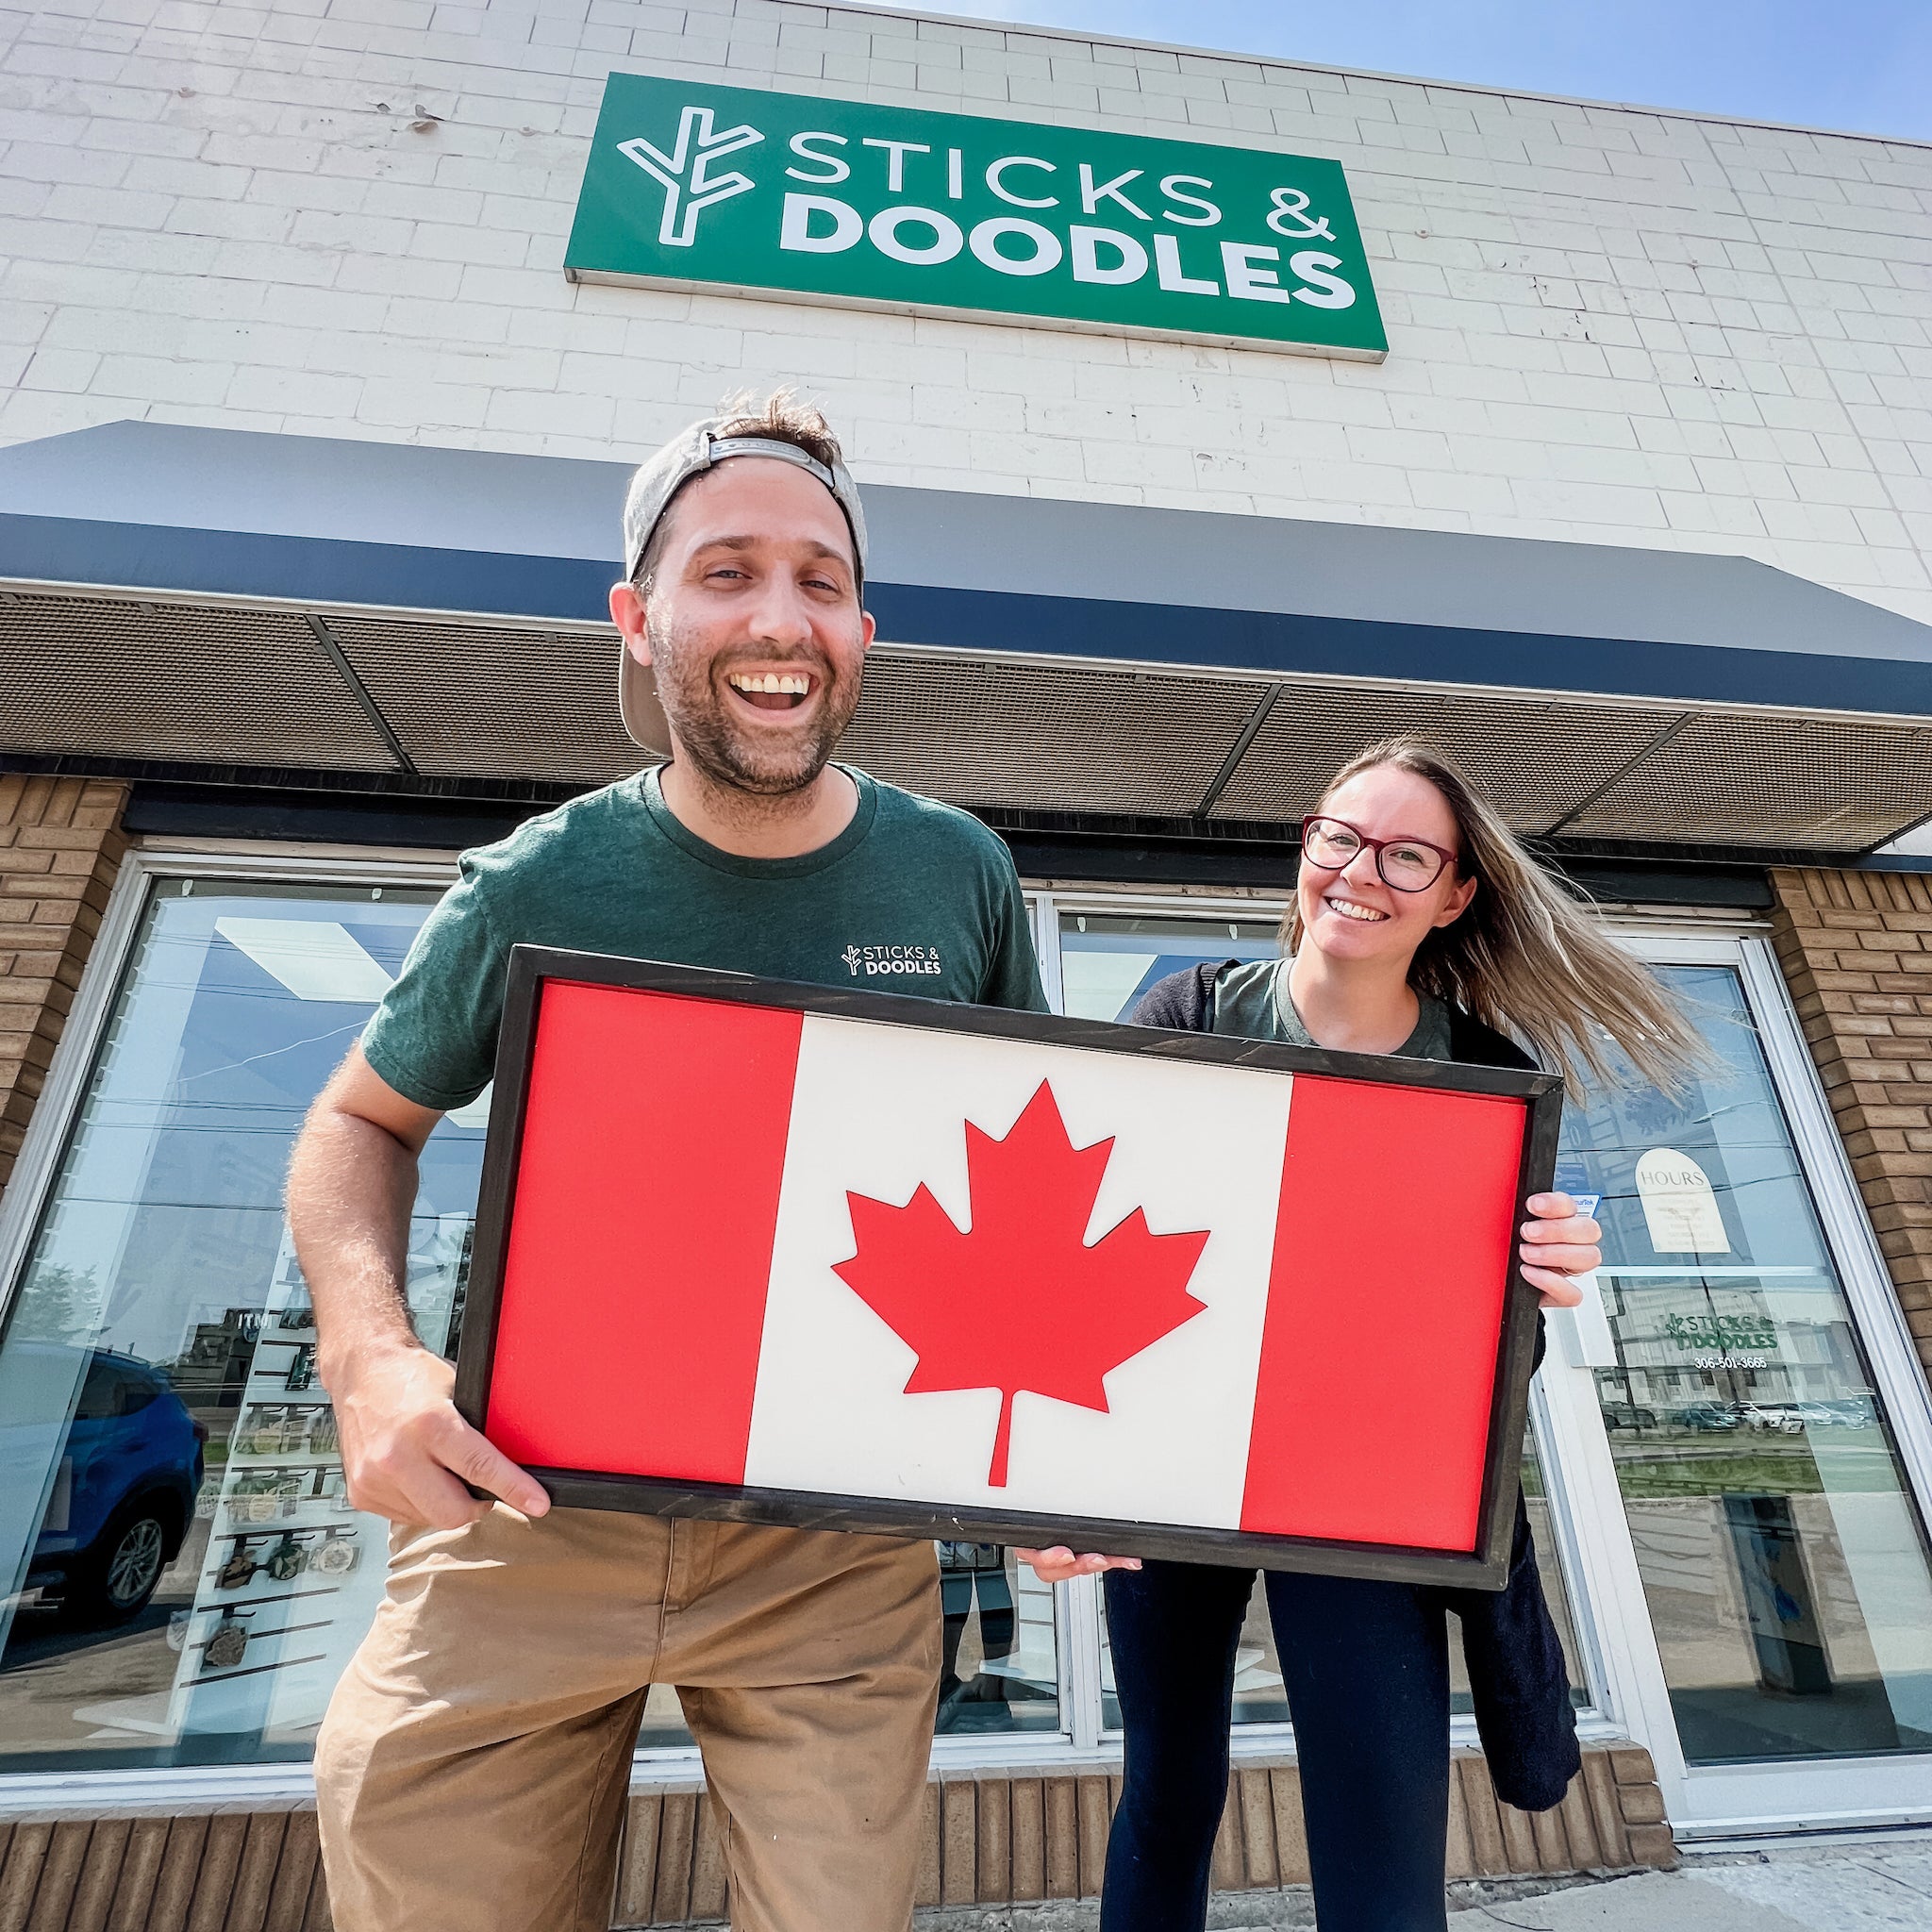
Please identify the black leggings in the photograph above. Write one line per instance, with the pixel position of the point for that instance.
(1367, 1670)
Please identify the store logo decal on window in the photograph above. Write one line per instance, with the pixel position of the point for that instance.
(1724, 1341)
(873, 960)
(685, 172)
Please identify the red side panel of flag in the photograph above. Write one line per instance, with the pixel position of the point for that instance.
(1391, 1255)
(634, 1287)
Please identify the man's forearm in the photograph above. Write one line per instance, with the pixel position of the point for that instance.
(352, 1186)
(406, 1453)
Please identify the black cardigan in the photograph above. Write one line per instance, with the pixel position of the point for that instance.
(1517, 1679)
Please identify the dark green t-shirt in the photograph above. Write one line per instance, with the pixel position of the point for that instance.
(1252, 999)
(912, 897)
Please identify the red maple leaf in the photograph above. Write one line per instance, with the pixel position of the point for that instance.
(1020, 1301)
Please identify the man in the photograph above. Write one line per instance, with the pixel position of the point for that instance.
(472, 1769)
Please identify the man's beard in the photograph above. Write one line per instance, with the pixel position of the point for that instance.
(724, 752)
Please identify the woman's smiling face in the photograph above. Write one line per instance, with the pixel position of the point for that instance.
(1354, 913)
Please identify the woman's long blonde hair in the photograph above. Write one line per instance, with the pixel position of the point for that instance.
(1525, 957)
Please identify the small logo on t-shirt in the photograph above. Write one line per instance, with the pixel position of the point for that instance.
(873, 960)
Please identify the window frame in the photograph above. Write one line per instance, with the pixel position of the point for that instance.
(82, 1792)
(1720, 1802)
(1609, 1612)
(1612, 1627)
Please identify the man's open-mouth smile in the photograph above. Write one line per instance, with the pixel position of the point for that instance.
(772, 691)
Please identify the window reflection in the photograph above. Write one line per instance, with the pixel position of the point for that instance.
(188, 1577)
(1782, 1558)
(997, 1669)
(1107, 960)
(181, 1578)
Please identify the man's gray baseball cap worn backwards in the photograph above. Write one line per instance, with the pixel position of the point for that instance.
(650, 491)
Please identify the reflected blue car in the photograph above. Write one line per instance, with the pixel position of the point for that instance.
(123, 1489)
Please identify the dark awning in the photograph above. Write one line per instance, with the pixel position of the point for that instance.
(362, 606)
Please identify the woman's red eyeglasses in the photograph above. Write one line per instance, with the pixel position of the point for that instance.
(1405, 865)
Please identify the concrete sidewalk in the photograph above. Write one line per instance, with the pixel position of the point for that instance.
(1848, 1887)
(1863, 1887)
(1878, 1883)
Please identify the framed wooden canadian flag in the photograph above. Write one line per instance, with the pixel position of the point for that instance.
(793, 1254)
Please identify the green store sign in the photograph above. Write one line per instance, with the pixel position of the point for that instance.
(1723, 1333)
(791, 196)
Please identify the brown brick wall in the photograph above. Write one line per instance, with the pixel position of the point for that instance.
(60, 846)
(991, 1840)
(1856, 953)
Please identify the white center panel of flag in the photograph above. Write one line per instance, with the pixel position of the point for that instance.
(878, 1113)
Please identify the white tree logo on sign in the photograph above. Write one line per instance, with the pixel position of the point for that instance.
(689, 187)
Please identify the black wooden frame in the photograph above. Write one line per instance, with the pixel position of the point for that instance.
(1484, 1568)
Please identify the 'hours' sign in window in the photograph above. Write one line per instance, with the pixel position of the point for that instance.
(895, 208)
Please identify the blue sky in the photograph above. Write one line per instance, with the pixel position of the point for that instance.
(1858, 64)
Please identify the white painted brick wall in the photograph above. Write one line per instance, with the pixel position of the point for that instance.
(1606, 325)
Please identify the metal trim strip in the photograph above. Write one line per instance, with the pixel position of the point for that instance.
(547, 592)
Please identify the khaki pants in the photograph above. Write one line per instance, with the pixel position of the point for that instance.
(472, 1771)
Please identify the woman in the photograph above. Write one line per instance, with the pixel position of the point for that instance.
(1420, 926)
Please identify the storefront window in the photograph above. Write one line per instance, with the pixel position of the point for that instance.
(1107, 963)
(185, 1581)
(183, 1578)
(1783, 1560)
(998, 1669)
(188, 1577)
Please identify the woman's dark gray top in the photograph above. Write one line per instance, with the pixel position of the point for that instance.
(1252, 998)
